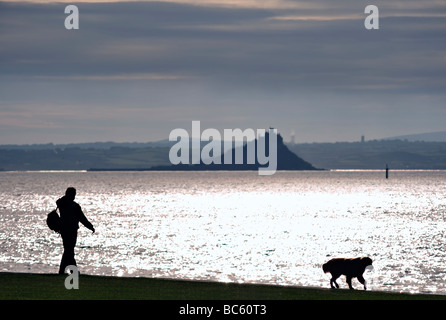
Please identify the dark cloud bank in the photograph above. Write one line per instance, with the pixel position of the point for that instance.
(135, 71)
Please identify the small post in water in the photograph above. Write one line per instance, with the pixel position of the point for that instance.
(387, 171)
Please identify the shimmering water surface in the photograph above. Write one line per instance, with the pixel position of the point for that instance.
(235, 226)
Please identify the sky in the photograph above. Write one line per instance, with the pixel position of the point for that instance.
(135, 71)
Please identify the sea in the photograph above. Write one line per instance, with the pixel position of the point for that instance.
(235, 227)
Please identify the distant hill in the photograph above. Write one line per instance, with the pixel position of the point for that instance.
(398, 154)
(88, 145)
(286, 160)
(74, 158)
(439, 136)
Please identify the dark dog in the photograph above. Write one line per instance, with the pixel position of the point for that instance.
(351, 268)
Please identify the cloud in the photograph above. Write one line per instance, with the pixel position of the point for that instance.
(261, 4)
(116, 77)
(152, 66)
(172, 41)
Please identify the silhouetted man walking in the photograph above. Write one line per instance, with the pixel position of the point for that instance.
(70, 216)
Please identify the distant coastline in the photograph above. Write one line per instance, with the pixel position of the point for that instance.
(374, 154)
(192, 168)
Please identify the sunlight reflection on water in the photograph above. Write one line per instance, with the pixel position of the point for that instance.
(235, 226)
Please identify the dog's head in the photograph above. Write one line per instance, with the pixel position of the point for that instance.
(366, 261)
(325, 268)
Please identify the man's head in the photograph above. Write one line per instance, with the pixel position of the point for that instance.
(70, 193)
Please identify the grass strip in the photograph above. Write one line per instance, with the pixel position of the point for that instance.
(26, 286)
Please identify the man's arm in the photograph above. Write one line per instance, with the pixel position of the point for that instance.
(83, 219)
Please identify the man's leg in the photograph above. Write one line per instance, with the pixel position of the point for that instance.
(69, 242)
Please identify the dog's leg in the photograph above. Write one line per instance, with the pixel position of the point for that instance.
(331, 283)
(362, 280)
(333, 280)
(349, 282)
